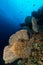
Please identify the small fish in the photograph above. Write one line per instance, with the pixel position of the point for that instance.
(33, 4)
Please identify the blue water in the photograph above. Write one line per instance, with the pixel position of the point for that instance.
(12, 14)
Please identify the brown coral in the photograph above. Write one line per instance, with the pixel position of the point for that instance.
(21, 49)
(22, 34)
(7, 55)
(16, 42)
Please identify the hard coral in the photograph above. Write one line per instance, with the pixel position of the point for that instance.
(22, 34)
(8, 57)
(21, 49)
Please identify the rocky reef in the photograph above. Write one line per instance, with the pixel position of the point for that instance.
(24, 48)
(28, 49)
